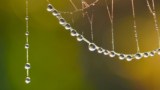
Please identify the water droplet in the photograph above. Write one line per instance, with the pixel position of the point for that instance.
(146, 54)
(67, 26)
(122, 56)
(27, 33)
(49, 8)
(58, 16)
(80, 38)
(151, 54)
(100, 50)
(112, 54)
(55, 13)
(158, 51)
(129, 58)
(92, 47)
(27, 46)
(28, 80)
(62, 21)
(27, 18)
(138, 56)
(106, 52)
(74, 32)
(27, 66)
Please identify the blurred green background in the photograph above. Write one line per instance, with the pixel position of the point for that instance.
(59, 62)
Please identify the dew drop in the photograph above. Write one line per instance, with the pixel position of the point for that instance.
(129, 58)
(146, 54)
(49, 8)
(67, 26)
(28, 80)
(55, 13)
(27, 66)
(27, 18)
(62, 21)
(92, 47)
(27, 46)
(27, 33)
(151, 54)
(58, 16)
(158, 51)
(100, 50)
(138, 56)
(80, 38)
(122, 56)
(74, 32)
(112, 54)
(106, 52)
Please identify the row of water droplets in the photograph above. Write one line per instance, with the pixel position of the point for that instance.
(27, 65)
(93, 47)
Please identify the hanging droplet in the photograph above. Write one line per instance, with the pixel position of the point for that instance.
(129, 58)
(55, 13)
(27, 18)
(27, 46)
(74, 32)
(100, 50)
(49, 8)
(112, 54)
(138, 56)
(158, 51)
(27, 66)
(151, 54)
(27, 33)
(92, 47)
(28, 80)
(62, 21)
(80, 38)
(122, 56)
(67, 26)
(146, 55)
(58, 16)
(106, 52)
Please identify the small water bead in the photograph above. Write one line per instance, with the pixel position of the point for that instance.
(28, 80)
(62, 21)
(151, 53)
(27, 46)
(55, 13)
(100, 50)
(74, 32)
(67, 26)
(158, 51)
(112, 54)
(138, 56)
(106, 52)
(27, 66)
(27, 33)
(122, 56)
(129, 57)
(49, 8)
(27, 18)
(80, 37)
(146, 54)
(92, 47)
(58, 16)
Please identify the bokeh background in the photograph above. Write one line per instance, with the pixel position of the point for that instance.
(59, 62)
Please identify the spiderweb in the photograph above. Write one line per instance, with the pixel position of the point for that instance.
(91, 13)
